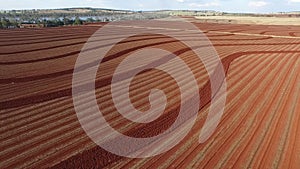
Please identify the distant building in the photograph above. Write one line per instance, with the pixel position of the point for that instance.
(11, 27)
(31, 25)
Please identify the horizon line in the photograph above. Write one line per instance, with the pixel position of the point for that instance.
(154, 10)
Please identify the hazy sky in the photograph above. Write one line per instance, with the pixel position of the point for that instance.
(262, 6)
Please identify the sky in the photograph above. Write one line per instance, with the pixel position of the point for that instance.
(249, 6)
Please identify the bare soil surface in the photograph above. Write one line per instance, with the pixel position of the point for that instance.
(259, 128)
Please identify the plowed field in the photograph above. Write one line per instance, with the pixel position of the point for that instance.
(259, 128)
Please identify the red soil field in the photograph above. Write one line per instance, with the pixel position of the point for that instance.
(259, 127)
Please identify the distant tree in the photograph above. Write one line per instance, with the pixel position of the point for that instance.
(14, 23)
(50, 23)
(77, 21)
(98, 19)
(44, 22)
(1, 25)
(67, 21)
(58, 22)
(90, 20)
(5, 23)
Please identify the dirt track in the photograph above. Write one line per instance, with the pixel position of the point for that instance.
(39, 127)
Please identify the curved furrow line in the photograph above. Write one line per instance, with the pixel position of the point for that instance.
(294, 161)
(35, 123)
(36, 126)
(59, 39)
(224, 119)
(105, 59)
(42, 37)
(252, 137)
(248, 27)
(167, 85)
(63, 55)
(83, 42)
(61, 93)
(257, 145)
(81, 140)
(223, 35)
(37, 37)
(227, 116)
(33, 33)
(88, 152)
(229, 106)
(99, 84)
(45, 40)
(288, 129)
(273, 121)
(146, 82)
(152, 80)
(64, 153)
(152, 37)
(239, 30)
(238, 119)
(70, 78)
(83, 67)
(254, 31)
(171, 152)
(28, 142)
(210, 29)
(167, 155)
(67, 92)
(42, 147)
(139, 90)
(59, 56)
(59, 34)
(39, 49)
(23, 112)
(258, 32)
(268, 136)
(63, 45)
(249, 134)
(6, 155)
(245, 147)
(239, 39)
(276, 144)
(190, 62)
(260, 44)
(37, 87)
(195, 145)
(69, 150)
(14, 116)
(194, 133)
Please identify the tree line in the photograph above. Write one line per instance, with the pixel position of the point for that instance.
(14, 23)
(40, 18)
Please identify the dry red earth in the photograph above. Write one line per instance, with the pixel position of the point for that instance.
(259, 128)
